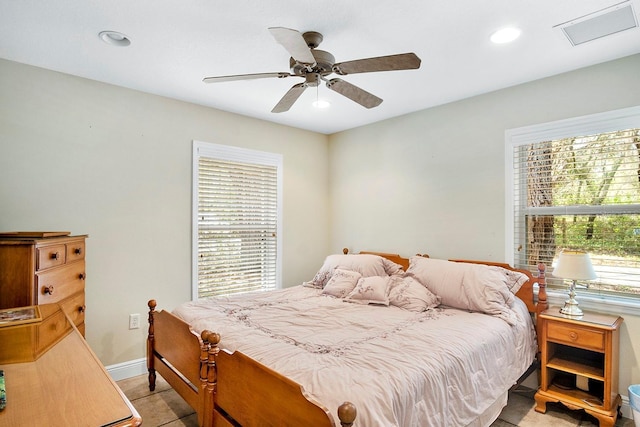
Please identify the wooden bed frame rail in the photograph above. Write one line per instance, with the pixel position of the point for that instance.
(231, 389)
(228, 389)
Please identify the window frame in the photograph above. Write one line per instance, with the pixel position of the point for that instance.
(235, 154)
(584, 125)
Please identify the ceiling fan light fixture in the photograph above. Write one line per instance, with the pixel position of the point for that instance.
(505, 35)
(321, 103)
(114, 38)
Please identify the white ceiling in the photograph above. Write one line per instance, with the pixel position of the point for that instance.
(177, 43)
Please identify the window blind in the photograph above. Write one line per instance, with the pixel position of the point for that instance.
(237, 226)
(583, 193)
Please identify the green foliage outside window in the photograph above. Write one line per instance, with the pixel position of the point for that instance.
(596, 179)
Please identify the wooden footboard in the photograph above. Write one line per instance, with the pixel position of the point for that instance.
(175, 352)
(228, 389)
(244, 384)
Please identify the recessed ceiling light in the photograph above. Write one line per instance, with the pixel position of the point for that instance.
(114, 38)
(505, 35)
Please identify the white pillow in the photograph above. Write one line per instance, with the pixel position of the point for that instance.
(371, 290)
(341, 283)
(474, 287)
(365, 264)
(408, 293)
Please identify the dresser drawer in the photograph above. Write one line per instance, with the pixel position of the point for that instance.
(576, 336)
(26, 342)
(74, 308)
(50, 330)
(56, 285)
(75, 250)
(50, 256)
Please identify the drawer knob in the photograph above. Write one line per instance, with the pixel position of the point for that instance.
(48, 290)
(77, 251)
(82, 276)
(55, 255)
(573, 336)
(82, 308)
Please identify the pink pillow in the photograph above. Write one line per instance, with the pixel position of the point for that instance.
(365, 264)
(371, 290)
(473, 287)
(341, 283)
(408, 293)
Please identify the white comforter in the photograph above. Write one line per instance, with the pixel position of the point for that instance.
(442, 367)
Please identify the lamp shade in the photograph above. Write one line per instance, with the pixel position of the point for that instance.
(574, 265)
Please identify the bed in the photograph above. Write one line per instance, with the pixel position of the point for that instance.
(330, 352)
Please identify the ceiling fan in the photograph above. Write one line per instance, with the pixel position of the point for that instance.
(315, 65)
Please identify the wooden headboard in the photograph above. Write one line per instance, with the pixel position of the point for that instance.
(404, 262)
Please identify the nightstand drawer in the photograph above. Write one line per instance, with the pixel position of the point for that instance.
(576, 336)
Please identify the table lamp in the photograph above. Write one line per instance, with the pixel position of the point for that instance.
(573, 265)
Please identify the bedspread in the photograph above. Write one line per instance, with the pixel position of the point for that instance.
(441, 367)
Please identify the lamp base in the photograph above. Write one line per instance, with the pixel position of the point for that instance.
(571, 308)
(571, 305)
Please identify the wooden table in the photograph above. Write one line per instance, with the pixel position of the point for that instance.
(65, 384)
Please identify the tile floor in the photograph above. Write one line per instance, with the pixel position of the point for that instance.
(165, 408)
(162, 407)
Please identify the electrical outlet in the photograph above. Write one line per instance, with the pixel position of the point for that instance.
(134, 321)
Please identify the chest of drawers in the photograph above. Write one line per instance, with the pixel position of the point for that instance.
(44, 270)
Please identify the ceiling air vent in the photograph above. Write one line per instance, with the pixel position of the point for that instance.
(602, 23)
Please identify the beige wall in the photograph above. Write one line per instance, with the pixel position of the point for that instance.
(114, 163)
(433, 181)
(92, 158)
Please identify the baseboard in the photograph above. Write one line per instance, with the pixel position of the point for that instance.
(626, 408)
(124, 370)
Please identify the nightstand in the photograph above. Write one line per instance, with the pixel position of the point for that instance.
(579, 363)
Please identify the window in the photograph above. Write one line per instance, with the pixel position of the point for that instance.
(575, 184)
(236, 220)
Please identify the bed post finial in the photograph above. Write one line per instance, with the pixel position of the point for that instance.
(542, 289)
(150, 346)
(542, 304)
(347, 414)
(208, 375)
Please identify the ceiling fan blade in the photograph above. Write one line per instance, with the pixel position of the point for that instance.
(354, 93)
(294, 43)
(219, 79)
(402, 61)
(289, 98)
